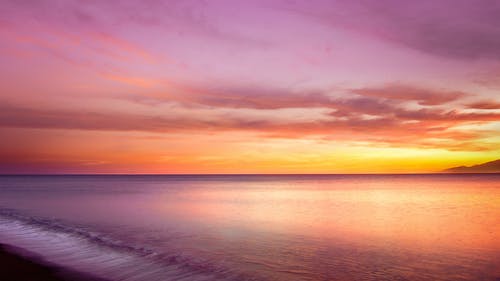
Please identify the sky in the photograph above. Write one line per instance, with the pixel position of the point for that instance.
(274, 86)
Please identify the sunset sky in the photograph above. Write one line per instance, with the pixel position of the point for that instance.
(248, 86)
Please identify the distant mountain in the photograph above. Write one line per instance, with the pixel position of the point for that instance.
(488, 167)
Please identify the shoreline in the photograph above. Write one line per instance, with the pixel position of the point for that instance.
(19, 264)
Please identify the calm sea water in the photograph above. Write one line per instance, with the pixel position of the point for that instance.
(336, 227)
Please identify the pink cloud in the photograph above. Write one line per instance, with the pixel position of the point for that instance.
(485, 104)
(411, 93)
(394, 123)
(457, 29)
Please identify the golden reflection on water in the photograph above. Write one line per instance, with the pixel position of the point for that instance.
(416, 214)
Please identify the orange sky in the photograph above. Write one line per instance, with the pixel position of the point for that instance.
(191, 87)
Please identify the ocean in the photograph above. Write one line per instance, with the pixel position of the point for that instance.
(259, 227)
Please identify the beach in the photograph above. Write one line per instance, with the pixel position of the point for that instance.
(19, 265)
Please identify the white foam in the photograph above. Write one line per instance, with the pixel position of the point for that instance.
(81, 254)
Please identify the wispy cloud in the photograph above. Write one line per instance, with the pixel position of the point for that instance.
(410, 93)
(457, 29)
(351, 119)
(485, 104)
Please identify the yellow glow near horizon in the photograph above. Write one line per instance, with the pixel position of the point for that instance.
(134, 152)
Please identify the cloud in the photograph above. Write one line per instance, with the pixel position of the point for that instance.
(109, 18)
(78, 47)
(410, 93)
(352, 119)
(259, 97)
(457, 29)
(26, 117)
(485, 104)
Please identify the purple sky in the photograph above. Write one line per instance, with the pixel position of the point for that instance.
(296, 82)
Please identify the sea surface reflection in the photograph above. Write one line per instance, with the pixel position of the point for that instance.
(296, 227)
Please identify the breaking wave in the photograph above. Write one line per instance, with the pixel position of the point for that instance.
(81, 249)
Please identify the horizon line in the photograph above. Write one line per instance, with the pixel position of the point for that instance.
(243, 174)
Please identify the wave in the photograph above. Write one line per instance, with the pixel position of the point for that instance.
(82, 249)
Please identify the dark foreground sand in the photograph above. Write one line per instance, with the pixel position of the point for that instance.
(19, 265)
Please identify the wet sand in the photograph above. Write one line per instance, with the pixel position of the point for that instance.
(20, 265)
